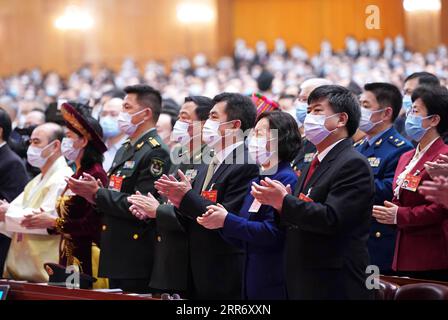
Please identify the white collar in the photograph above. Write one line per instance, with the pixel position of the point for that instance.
(322, 155)
(223, 154)
(419, 152)
(2, 144)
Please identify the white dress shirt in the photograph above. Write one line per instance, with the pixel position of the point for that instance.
(223, 154)
(327, 150)
(109, 155)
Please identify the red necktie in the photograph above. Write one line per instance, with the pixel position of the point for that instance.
(313, 167)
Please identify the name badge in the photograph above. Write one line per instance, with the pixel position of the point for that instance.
(411, 182)
(115, 183)
(129, 165)
(308, 157)
(374, 162)
(255, 206)
(305, 198)
(211, 195)
(191, 173)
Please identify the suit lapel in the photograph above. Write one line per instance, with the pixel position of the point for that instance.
(326, 163)
(199, 180)
(429, 155)
(225, 165)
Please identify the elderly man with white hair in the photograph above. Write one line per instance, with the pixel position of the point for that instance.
(31, 244)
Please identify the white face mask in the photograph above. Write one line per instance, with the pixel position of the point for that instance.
(210, 132)
(180, 132)
(68, 150)
(125, 122)
(365, 124)
(315, 130)
(257, 147)
(34, 156)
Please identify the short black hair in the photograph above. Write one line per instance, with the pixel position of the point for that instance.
(286, 96)
(147, 97)
(203, 106)
(289, 140)
(264, 80)
(354, 88)
(238, 107)
(5, 124)
(435, 99)
(424, 78)
(387, 95)
(91, 154)
(341, 100)
(171, 108)
(114, 93)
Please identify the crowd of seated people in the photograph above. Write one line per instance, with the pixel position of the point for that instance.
(278, 175)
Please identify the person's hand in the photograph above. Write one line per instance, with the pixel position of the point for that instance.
(39, 220)
(435, 191)
(270, 192)
(438, 168)
(385, 214)
(4, 205)
(143, 206)
(86, 186)
(214, 217)
(171, 188)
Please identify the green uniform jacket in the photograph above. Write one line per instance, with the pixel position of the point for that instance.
(127, 244)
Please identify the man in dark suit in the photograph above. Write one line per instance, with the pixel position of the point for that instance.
(305, 154)
(170, 269)
(13, 178)
(127, 244)
(383, 146)
(329, 214)
(215, 266)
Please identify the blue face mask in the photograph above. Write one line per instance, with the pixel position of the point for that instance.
(110, 127)
(301, 111)
(414, 129)
(407, 103)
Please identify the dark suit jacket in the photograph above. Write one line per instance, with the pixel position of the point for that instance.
(422, 225)
(215, 265)
(127, 244)
(13, 174)
(13, 179)
(326, 240)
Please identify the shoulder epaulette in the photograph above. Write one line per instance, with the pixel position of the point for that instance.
(360, 142)
(396, 141)
(153, 142)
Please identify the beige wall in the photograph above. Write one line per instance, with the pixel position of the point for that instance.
(142, 29)
(146, 29)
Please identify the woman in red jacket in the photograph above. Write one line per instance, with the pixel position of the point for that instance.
(421, 249)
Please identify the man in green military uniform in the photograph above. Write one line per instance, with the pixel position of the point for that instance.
(170, 270)
(127, 243)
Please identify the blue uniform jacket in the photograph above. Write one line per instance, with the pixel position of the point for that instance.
(383, 156)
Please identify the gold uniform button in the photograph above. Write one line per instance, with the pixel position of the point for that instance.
(104, 227)
(135, 236)
(159, 239)
(378, 234)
